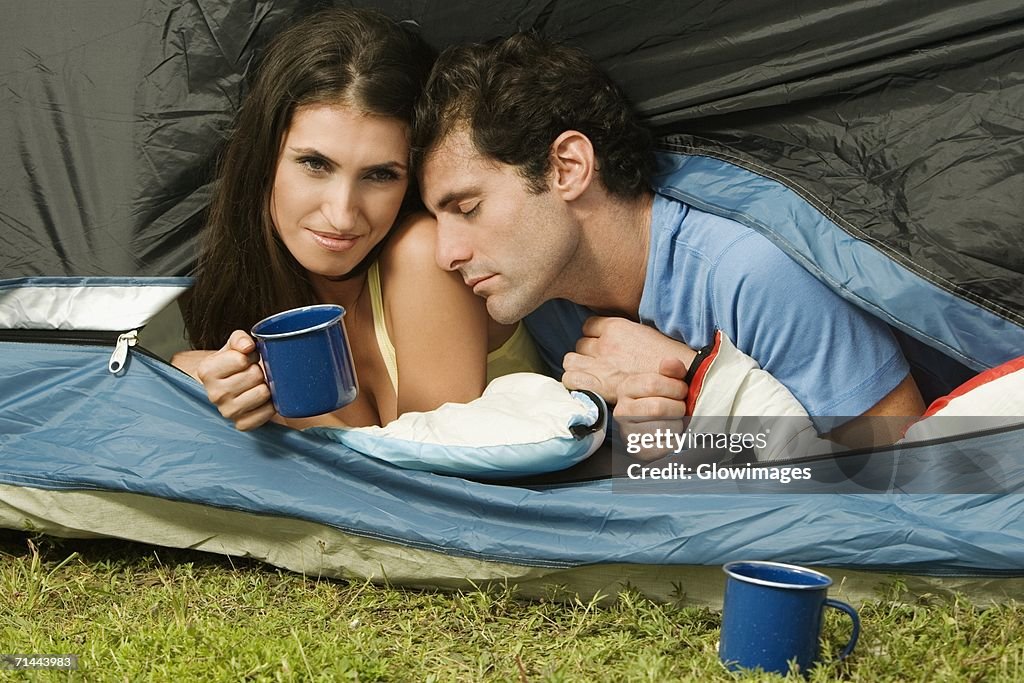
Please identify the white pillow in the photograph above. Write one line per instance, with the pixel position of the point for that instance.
(523, 424)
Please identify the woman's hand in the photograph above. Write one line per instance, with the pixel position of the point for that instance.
(235, 383)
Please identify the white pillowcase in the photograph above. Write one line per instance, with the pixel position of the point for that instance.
(522, 424)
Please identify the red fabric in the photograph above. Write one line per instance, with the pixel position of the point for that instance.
(1007, 368)
(698, 379)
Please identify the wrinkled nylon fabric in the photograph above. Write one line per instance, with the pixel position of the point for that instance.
(151, 431)
(901, 118)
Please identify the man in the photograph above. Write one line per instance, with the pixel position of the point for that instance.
(539, 176)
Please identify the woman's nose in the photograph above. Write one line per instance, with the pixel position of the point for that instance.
(339, 206)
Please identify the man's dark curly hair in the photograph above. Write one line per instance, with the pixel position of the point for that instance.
(517, 94)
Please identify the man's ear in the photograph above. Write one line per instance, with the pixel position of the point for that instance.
(573, 165)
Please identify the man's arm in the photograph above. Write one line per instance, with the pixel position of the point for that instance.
(886, 421)
(841, 363)
(732, 385)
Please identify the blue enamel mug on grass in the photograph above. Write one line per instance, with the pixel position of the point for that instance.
(772, 615)
(307, 360)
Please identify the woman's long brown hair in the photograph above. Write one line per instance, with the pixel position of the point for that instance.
(354, 57)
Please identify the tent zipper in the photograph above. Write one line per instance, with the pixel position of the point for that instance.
(118, 359)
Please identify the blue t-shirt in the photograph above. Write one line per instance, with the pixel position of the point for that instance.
(705, 272)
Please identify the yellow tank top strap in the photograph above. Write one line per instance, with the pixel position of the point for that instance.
(380, 330)
(517, 354)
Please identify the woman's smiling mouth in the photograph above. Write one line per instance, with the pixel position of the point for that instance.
(334, 242)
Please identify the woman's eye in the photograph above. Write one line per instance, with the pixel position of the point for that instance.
(469, 210)
(314, 164)
(383, 175)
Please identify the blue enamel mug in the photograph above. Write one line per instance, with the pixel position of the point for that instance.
(307, 360)
(772, 615)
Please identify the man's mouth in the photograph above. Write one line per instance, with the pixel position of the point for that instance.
(474, 282)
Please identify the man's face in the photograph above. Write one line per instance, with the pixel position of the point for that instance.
(510, 245)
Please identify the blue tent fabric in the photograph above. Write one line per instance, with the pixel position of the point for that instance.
(152, 432)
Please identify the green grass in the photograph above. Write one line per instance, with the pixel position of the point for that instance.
(138, 613)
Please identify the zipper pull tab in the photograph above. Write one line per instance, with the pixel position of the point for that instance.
(119, 358)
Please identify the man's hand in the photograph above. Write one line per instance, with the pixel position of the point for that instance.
(655, 396)
(651, 401)
(234, 382)
(613, 349)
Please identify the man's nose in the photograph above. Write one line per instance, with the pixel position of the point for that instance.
(452, 248)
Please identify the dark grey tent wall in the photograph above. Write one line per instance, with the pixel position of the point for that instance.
(114, 111)
(902, 117)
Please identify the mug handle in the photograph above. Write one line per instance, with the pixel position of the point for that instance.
(843, 607)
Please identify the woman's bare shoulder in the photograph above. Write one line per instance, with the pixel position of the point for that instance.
(412, 242)
(409, 270)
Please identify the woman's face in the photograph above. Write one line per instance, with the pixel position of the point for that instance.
(340, 180)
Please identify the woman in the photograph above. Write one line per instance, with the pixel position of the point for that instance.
(312, 206)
